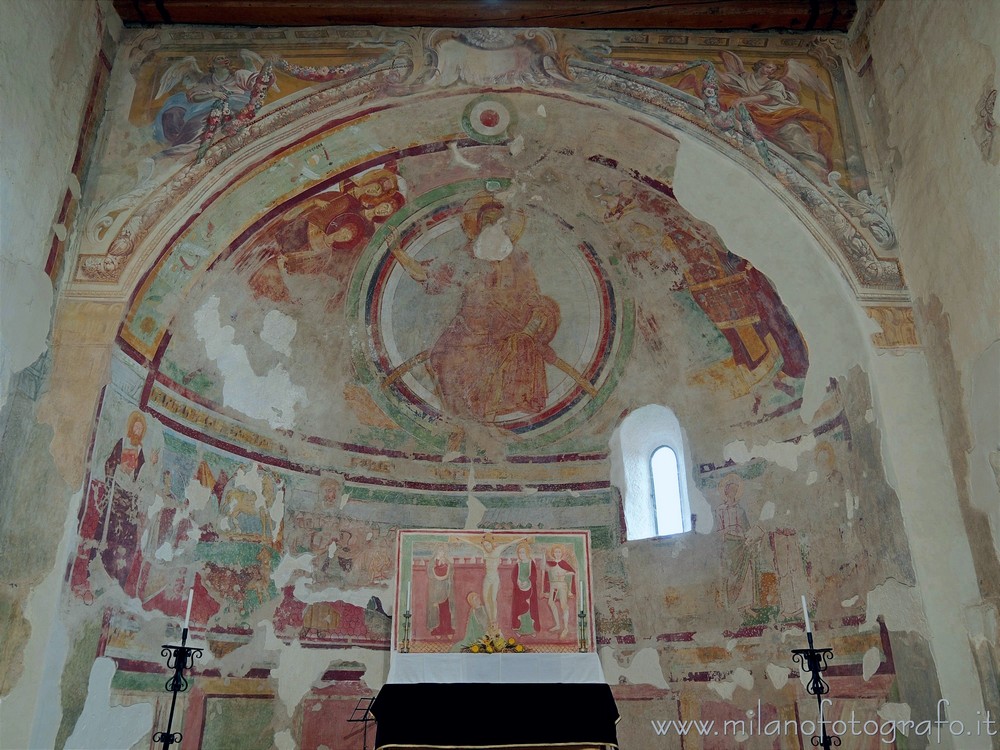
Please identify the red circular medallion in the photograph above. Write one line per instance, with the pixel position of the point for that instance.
(489, 118)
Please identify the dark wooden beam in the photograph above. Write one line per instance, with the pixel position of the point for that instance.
(737, 15)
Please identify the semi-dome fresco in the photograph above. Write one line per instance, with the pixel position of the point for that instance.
(414, 279)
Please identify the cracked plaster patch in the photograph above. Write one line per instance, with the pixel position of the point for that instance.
(643, 669)
(271, 397)
(783, 454)
(102, 726)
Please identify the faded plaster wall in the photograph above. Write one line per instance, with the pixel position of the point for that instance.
(943, 181)
(47, 54)
(946, 168)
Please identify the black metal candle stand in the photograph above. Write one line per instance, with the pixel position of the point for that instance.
(582, 630)
(814, 660)
(404, 648)
(178, 658)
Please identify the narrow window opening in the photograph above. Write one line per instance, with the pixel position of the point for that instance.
(667, 491)
(652, 469)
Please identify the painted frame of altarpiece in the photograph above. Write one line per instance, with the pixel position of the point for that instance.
(460, 586)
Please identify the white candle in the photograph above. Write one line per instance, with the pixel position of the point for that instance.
(187, 617)
(409, 585)
(805, 611)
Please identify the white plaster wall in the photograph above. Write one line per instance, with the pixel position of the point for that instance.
(47, 53)
(932, 61)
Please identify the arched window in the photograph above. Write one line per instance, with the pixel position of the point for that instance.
(667, 491)
(651, 473)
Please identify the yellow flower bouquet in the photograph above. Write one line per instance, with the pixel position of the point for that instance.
(494, 645)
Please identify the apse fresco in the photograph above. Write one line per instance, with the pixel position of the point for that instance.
(391, 281)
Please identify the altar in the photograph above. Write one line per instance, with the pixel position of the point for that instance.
(522, 672)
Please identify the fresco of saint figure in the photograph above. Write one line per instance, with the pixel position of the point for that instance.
(440, 586)
(560, 587)
(110, 522)
(320, 237)
(524, 616)
(490, 359)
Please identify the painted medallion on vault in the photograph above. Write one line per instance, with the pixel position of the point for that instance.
(479, 312)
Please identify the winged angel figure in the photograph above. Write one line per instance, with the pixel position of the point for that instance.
(770, 93)
(761, 103)
(225, 96)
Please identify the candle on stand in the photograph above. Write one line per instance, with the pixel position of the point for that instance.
(805, 611)
(187, 616)
(409, 586)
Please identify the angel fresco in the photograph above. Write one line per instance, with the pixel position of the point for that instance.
(225, 96)
(762, 103)
(770, 92)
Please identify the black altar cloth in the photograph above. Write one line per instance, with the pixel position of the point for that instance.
(494, 715)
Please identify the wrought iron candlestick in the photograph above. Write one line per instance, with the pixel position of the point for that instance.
(814, 660)
(179, 658)
(405, 647)
(582, 628)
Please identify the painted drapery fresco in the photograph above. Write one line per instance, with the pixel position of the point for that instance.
(461, 588)
(395, 281)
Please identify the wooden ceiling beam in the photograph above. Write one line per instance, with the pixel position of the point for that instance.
(736, 15)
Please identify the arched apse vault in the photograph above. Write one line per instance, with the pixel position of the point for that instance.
(423, 290)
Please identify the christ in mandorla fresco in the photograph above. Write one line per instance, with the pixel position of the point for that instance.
(490, 359)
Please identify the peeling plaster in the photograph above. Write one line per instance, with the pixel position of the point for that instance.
(643, 669)
(896, 713)
(778, 675)
(287, 567)
(783, 454)
(271, 397)
(740, 678)
(48, 646)
(283, 740)
(298, 668)
(899, 605)
(278, 331)
(870, 663)
(105, 727)
(767, 511)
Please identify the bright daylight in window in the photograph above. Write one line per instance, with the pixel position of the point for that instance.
(667, 491)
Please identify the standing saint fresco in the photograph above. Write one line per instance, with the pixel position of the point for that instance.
(110, 523)
(440, 583)
(524, 594)
(560, 586)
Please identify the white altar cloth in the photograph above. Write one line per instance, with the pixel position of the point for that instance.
(503, 668)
